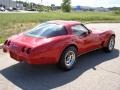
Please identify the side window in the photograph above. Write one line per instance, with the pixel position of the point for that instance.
(79, 29)
(57, 32)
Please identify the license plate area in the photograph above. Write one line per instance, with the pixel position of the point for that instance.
(15, 48)
(14, 55)
(14, 51)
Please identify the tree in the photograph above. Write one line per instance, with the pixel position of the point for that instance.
(66, 7)
(114, 8)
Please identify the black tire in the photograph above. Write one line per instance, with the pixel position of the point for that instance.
(110, 48)
(65, 63)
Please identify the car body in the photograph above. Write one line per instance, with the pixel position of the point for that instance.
(10, 8)
(34, 48)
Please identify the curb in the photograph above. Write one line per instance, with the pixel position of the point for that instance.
(1, 46)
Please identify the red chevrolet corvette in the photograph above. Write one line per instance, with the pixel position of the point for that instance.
(58, 42)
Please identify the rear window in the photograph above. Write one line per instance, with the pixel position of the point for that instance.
(47, 30)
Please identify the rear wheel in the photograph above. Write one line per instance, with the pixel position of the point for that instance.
(68, 58)
(110, 45)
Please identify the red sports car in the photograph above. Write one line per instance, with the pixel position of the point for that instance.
(58, 42)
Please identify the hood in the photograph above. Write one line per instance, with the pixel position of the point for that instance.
(97, 30)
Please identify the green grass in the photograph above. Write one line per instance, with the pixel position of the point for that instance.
(12, 23)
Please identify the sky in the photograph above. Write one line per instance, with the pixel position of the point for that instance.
(92, 3)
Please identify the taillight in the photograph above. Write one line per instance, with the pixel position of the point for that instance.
(28, 50)
(5, 42)
(8, 43)
(23, 49)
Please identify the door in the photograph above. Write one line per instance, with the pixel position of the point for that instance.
(86, 40)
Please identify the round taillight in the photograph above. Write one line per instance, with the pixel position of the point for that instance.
(8, 43)
(23, 49)
(28, 50)
(5, 42)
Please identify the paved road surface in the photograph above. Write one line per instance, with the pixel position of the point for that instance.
(19, 11)
(94, 71)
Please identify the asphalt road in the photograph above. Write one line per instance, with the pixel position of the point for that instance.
(94, 71)
(19, 11)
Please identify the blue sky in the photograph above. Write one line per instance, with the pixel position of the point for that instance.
(93, 3)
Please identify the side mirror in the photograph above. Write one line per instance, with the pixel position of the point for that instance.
(84, 34)
(89, 31)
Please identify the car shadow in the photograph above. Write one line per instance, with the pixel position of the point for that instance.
(45, 77)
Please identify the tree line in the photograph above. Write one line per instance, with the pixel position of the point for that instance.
(65, 6)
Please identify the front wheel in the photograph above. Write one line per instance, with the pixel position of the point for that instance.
(110, 44)
(68, 58)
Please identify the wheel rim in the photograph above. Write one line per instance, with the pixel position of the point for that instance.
(70, 58)
(111, 44)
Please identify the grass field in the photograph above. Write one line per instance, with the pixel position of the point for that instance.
(12, 23)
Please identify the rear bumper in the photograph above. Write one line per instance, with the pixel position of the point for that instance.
(19, 56)
(15, 55)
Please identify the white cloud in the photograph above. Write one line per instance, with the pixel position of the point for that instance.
(96, 3)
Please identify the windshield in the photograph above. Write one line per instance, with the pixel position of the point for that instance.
(47, 30)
